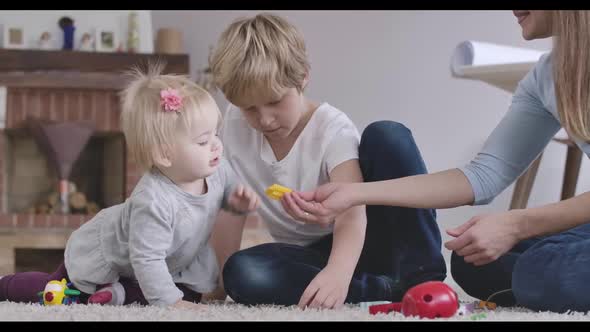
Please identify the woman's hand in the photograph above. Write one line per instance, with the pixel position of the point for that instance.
(320, 206)
(484, 238)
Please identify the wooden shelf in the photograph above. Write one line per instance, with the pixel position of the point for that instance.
(64, 80)
(58, 60)
(76, 69)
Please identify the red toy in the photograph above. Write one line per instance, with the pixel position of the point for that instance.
(432, 299)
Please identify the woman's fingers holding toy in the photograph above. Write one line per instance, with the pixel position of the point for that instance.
(288, 206)
(294, 210)
(314, 212)
(310, 207)
(307, 195)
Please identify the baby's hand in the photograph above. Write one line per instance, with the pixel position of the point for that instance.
(243, 199)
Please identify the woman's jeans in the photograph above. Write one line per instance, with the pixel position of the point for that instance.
(548, 274)
(402, 246)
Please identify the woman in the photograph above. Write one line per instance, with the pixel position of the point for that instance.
(536, 257)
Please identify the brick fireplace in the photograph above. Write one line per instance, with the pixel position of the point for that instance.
(61, 86)
(24, 166)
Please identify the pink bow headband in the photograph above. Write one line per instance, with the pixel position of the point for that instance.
(171, 100)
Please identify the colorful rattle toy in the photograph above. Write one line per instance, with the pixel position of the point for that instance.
(277, 191)
(58, 292)
(432, 299)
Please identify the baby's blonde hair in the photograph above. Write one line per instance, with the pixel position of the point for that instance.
(148, 129)
(258, 57)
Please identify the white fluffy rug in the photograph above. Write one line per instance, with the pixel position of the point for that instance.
(234, 312)
(230, 311)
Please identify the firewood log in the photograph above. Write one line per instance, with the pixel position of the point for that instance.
(77, 200)
(72, 188)
(92, 208)
(42, 208)
(53, 199)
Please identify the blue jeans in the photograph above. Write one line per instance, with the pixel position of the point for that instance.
(402, 246)
(545, 274)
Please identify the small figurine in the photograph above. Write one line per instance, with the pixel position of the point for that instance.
(67, 25)
(58, 292)
(44, 42)
(86, 43)
(277, 191)
(133, 34)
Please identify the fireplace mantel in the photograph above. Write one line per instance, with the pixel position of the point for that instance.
(63, 80)
(75, 69)
(77, 61)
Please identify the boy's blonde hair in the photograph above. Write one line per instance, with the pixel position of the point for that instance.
(258, 57)
(147, 127)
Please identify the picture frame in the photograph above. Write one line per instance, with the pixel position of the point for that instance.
(45, 42)
(86, 42)
(106, 40)
(13, 36)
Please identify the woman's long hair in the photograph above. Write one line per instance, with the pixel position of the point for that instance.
(571, 58)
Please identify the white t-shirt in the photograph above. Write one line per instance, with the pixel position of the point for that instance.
(329, 139)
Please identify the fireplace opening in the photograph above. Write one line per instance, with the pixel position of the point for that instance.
(35, 259)
(97, 179)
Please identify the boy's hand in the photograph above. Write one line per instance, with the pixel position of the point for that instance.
(327, 290)
(243, 200)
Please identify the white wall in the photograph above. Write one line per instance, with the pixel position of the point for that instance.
(36, 22)
(395, 65)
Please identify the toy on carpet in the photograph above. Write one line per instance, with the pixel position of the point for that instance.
(477, 316)
(58, 292)
(431, 299)
(277, 191)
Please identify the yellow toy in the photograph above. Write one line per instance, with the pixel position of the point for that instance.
(277, 191)
(58, 292)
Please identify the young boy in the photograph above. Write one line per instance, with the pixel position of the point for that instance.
(274, 134)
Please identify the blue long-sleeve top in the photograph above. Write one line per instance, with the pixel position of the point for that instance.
(522, 134)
